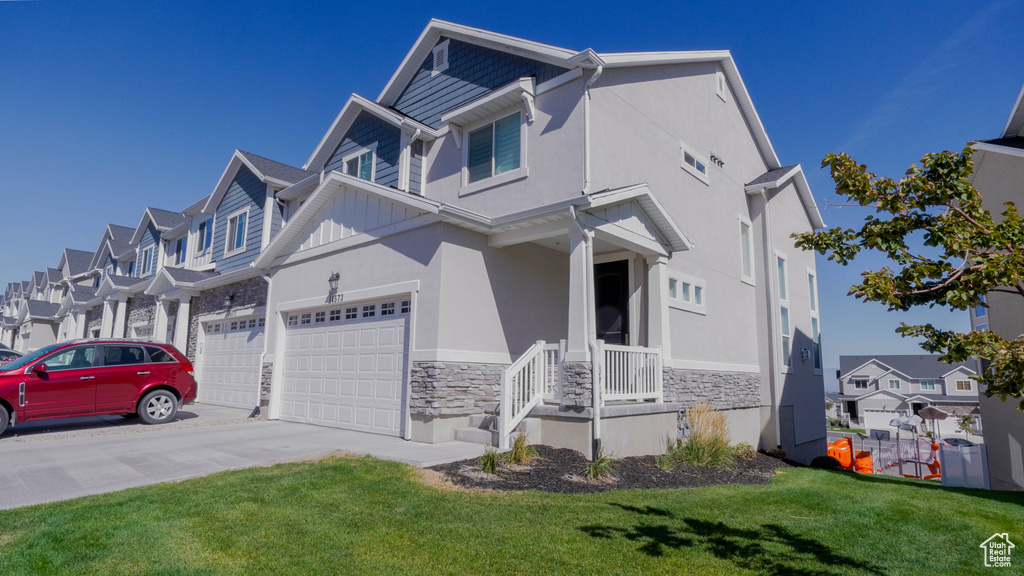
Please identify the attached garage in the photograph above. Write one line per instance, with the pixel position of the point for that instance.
(345, 366)
(230, 369)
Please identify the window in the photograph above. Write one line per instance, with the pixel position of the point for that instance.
(746, 252)
(894, 384)
(234, 325)
(123, 355)
(131, 268)
(387, 309)
(335, 315)
(262, 322)
(204, 236)
(982, 327)
(351, 313)
(360, 165)
(784, 312)
(494, 149)
(812, 294)
(963, 385)
(71, 359)
(216, 328)
(860, 384)
(980, 311)
(146, 262)
(306, 318)
(293, 320)
(320, 317)
(927, 384)
(236, 233)
(369, 311)
(179, 250)
(694, 163)
(440, 58)
(159, 354)
(406, 305)
(686, 293)
(673, 288)
(252, 323)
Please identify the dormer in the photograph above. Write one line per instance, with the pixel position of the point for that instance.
(146, 239)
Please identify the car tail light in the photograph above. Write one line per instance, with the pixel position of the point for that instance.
(187, 367)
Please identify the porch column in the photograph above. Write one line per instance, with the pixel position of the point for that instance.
(107, 323)
(72, 331)
(119, 320)
(576, 349)
(658, 331)
(181, 326)
(83, 326)
(160, 322)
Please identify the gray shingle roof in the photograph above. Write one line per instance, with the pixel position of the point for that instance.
(37, 277)
(771, 175)
(78, 260)
(940, 398)
(914, 366)
(276, 170)
(120, 239)
(189, 276)
(53, 275)
(40, 309)
(165, 219)
(1007, 142)
(123, 281)
(83, 293)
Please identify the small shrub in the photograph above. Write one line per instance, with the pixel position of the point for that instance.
(776, 453)
(601, 466)
(708, 443)
(489, 461)
(825, 463)
(744, 451)
(835, 422)
(521, 452)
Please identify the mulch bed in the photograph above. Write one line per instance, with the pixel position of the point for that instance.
(562, 470)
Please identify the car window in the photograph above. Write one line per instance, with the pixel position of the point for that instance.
(70, 359)
(122, 355)
(159, 354)
(29, 358)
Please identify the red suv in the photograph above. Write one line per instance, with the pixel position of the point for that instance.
(89, 377)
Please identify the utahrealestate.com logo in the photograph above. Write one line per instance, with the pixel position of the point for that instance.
(997, 550)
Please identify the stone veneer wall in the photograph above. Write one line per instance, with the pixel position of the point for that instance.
(140, 310)
(246, 295)
(957, 409)
(441, 388)
(578, 389)
(93, 319)
(266, 376)
(725, 390)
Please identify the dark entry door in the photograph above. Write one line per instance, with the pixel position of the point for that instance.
(611, 292)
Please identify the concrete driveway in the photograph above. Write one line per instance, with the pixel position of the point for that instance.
(60, 459)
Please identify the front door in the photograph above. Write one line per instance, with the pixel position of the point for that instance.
(611, 295)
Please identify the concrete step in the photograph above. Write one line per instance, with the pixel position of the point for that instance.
(477, 436)
(483, 421)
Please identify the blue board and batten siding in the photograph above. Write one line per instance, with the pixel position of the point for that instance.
(245, 191)
(150, 238)
(416, 167)
(472, 72)
(366, 131)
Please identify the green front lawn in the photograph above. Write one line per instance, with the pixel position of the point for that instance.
(365, 516)
(848, 430)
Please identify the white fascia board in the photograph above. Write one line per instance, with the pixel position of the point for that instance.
(803, 190)
(871, 361)
(196, 208)
(881, 392)
(1005, 150)
(222, 280)
(1015, 123)
(140, 229)
(296, 190)
(654, 208)
(349, 112)
(755, 188)
(159, 283)
(437, 28)
(958, 369)
(503, 97)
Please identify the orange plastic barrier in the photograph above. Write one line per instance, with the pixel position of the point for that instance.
(842, 450)
(862, 463)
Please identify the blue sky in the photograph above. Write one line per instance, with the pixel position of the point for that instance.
(108, 107)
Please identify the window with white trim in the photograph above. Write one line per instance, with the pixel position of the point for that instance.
(746, 251)
(784, 323)
(351, 313)
(180, 250)
(964, 385)
(369, 311)
(894, 384)
(981, 327)
(980, 311)
(306, 318)
(494, 148)
(361, 164)
(439, 58)
(694, 163)
(406, 306)
(335, 315)
(237, 225)
(812, 294)
(387, 309)
(204, 236)
(687, 292)
(131, 268)
(860, 384)
(293, 320)
(320, 317)
(146, 258)
(928, 385)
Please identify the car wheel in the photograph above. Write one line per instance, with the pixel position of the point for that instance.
(157, 407)
(4, 419)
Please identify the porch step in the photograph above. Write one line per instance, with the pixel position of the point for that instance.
(477, 436)
(483, 421)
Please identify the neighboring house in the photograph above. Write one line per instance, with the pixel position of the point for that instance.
(501, 192)
(999, 176)
(836, 409)
(876, 389)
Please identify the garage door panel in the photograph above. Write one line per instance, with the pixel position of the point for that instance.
(230, 363)
(354, 372)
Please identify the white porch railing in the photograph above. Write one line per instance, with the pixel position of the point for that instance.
(524, 384)
(630, 372)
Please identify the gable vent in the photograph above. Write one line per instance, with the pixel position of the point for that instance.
(440, 59)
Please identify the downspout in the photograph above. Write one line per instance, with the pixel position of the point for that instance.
(769, 280)
(266, 343)
(586, 128)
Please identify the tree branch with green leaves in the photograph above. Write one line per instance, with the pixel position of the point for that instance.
(946, 250)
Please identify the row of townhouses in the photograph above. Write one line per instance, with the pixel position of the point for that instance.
(581, 243)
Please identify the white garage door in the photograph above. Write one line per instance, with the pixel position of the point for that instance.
(231, 363)
(345, 367)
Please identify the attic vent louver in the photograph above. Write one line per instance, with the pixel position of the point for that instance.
(440, 59)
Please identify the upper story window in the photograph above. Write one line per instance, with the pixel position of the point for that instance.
(894, 384)
(494, 148)
(131, 268)
(146, 262)
(686, 292)
(980, 310)
(235, 239)
(860, 384)
(812, 286)
(694, 163)
(963, 385)
(204, 236)
(784, 324)
(746, 251)
(360, 165)
(179, 249)
(927, 384)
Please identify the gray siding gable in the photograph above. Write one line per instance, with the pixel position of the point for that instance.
(473, 71)
(245, 191)
(366, 131)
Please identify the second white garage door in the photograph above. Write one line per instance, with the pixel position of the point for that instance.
(230, 373)
(345, 367)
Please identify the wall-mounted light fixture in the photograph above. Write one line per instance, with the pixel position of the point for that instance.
(332, 282)
(228, 299)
